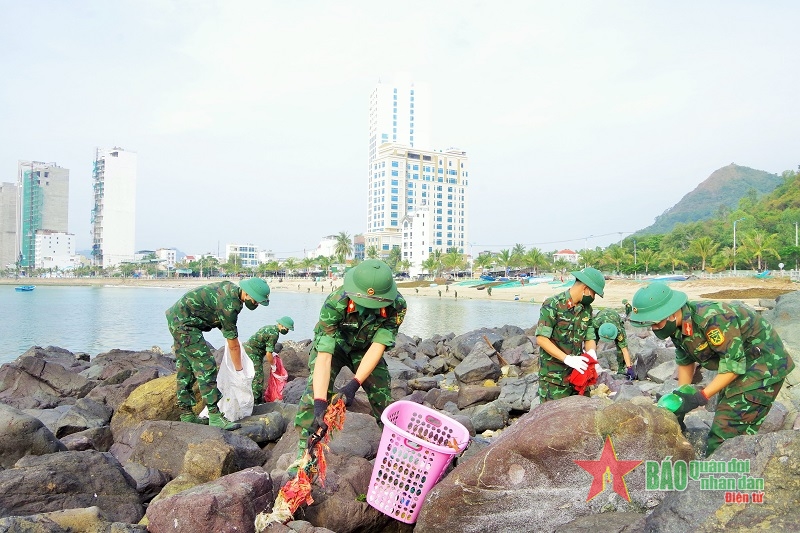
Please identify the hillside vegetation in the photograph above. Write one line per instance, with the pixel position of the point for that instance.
(720, 192)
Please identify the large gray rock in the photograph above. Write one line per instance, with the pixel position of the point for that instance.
(520, 393)
(774, 457)
(527, 480)
(477, 367)
(227, 504)
(114, 394)
(56, 481)
(464, 344)
(32, 382)
(21, 435)
(85, 414)
(476, 394)
(204, 452)
(118, 365)
(784, 319)
(663, 372)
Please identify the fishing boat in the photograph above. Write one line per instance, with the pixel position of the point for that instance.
(25, 288)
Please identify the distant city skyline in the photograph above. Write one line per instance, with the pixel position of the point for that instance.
(583, 121)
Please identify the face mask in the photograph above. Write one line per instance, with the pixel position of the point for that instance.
(251, 305)
(283, 331)
(669, 328)
(587, 299)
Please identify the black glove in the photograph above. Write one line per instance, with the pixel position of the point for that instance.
(318, 426)
(278, 348)
(630, 373)
(691, 400)
(348, 392)
(681, 423)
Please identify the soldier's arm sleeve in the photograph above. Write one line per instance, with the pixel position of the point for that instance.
(681, 357)
(622, 337)
(329, 319)
(547, 321)
(269, 343)
(228, 313)
(725, 338)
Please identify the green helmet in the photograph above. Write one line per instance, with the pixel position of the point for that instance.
(257, 289)
(608, 331)
(370, 284)
(286, 322)
(592, 278)
(655, 302)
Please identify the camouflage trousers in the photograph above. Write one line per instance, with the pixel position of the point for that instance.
(555, 391)
(741, 414)
(194, 362)
(377, 386)
(258, 378)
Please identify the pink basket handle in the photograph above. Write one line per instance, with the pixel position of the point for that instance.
(413, 445)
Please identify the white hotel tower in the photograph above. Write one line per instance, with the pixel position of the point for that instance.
(417, 196)
(114, 212)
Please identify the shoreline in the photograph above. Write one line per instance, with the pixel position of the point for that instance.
(747, 289)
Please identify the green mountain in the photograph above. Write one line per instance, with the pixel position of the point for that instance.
(719, 193)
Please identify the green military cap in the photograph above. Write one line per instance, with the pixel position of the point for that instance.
(655, 302)
(592, 278)
(608, 331)
(370, 284)
(257, 289)
(286, 322)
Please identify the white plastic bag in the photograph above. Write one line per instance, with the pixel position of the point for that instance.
(236, 388)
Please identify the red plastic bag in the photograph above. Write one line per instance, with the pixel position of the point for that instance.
(589, 377)
(276, 382)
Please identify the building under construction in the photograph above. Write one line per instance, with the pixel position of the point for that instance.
(42, 205)
(114, 211)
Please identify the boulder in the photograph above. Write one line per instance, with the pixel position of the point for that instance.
(477, 367)
(87, 520)
(474, 394)
(464, 344)
(116, 366)
(205, 452)
(663, 372)
(99, 439)
(114, 394)
(57, 481)
(773, 457)
(154, 400)
(84, 414)
(32, 382)
(527, 480)
(784, 319)
(21, 435)
(520, 393)
(227, 504)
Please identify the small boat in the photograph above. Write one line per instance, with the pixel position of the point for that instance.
(25, 288)
(487, 278)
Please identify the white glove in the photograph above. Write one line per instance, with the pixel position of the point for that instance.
(274, 367)
(577, 362)
(593, 353)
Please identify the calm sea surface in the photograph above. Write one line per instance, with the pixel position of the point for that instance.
(97, 319)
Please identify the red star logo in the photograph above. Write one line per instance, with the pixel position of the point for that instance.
(608, 468)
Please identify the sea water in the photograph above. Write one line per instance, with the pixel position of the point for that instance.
(96, 319)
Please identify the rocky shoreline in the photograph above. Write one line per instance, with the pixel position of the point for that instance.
(95, 445)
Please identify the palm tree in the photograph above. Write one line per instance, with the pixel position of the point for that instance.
(437, 257)
(724, 259)
(672, 256)
(504, 259)
(395, 256)
(289, 265)
(453, 260)
(404, 265)
(307, 264)
(483, 261)
(703, 247)
(344, 247)
(534, 259)
(372, 252)
(430, 264)
(616, 255)
(647, 257)
(561, 265)
(758, 244)
(324, 263)
(517, 255)
(591, 258)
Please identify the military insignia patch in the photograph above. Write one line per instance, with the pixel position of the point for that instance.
(620, 338)
(702, 346)
(715, 336)
(687, 329)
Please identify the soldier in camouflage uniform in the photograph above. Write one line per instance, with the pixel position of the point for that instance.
(260, 346)
(356, 325)
(609, 328)
(564, 332)
(731, 339)
(216, 305)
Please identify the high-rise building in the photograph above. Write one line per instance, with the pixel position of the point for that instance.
(416, 183)
(114, 212)
(406, 175)
(9, 218)
(43, 206)
(246, 253)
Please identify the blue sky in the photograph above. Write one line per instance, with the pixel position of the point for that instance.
(580, 118)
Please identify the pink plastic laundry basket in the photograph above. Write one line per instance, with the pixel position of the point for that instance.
(417, 445)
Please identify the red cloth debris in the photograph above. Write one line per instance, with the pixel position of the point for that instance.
(589, 377)
(276, 382)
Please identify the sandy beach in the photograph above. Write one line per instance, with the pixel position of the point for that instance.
(746, 288)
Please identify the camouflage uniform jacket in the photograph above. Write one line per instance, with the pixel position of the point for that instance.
(610, 316)
(732, 338)
(263, 341)
(216, 305)
(568, 325)
(343, 329)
